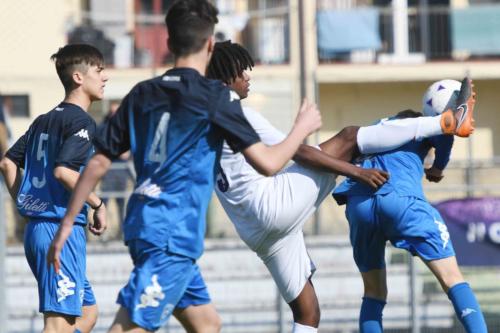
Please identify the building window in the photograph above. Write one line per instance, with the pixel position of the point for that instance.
(17, 105)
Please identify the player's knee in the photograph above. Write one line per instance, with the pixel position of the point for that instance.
(352, 131)
(309, 316)
(213, 324)
(349, 133)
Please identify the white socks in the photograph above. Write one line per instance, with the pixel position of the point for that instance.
(299, 328)
(391, 134)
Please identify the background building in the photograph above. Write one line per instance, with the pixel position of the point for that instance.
(361, 60)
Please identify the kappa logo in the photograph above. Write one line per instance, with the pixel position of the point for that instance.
(152, 294)
(149, 189)
(233, 96)
(84, 134)
(445, 235)
(467, 311)
(65, 287)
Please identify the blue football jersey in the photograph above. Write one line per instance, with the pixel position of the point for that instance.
(61, 137)
(174, 126)
(405, 168)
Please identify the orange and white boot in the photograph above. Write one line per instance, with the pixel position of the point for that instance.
(460, 121)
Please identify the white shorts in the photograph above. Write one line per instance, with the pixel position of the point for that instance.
(289, 264)
(292, 197)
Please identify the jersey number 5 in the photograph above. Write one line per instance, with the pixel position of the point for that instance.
(40, 154)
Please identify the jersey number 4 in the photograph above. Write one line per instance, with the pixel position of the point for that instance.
(158, 150)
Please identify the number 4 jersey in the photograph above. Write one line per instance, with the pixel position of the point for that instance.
(61, 137)
(174, 126)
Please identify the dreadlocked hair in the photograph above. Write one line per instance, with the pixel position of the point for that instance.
(228, 62)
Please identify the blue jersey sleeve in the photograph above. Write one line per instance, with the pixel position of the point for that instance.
(112, 137)
(77, 144)
(228, 116)
(17, 152)
(443, 145)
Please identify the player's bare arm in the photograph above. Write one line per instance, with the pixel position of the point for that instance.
(317, 159)
(69, 178)
(268, 160)
(96, 168)
(3, 139)
(12, 175)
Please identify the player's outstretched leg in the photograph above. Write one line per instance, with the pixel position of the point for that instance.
(384, 136)
(374, 300)
(460, 294)
(306, 312)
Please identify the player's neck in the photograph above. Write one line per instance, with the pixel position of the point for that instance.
(79, 99)
(197, 61)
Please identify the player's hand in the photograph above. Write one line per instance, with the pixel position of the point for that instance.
(55, 248)
(434, 174)
(372, 177)
(309, 117)
(99, 223)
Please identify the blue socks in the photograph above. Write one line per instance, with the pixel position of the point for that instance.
(370, 317)
(467, 308)
(461, 295)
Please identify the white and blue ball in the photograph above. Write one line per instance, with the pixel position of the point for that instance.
(440, 96)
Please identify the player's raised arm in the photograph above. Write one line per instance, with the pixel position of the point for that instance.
(315, 158)
(268, 160)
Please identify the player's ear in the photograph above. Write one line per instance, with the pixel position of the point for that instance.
(77, 77)
(211, 44)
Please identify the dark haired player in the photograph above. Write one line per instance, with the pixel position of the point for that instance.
(269, 212)
(399, 212)
(174, 126)
(52, 153)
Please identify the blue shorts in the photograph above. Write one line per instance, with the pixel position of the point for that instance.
(160, 282)
(409, 223)
(69, 290)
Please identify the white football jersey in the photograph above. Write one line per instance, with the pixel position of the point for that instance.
(240, 187)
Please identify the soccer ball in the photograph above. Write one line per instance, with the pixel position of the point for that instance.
(440, 96)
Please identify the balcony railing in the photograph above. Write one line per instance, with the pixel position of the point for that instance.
(140, 40)
(362, 33)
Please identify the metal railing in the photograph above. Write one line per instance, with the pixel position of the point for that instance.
(248, 301)
(430, 31)
(141, 41)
